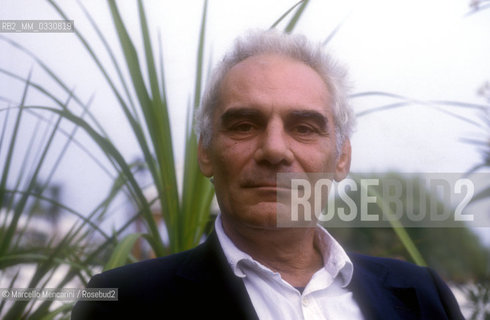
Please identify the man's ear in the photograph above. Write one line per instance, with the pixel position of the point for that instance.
(204, 159)
(342, 166)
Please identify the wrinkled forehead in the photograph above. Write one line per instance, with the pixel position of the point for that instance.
(274, 79)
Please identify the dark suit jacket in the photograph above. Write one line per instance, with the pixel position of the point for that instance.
(199, 284)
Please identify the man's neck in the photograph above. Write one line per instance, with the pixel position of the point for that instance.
(289, 251)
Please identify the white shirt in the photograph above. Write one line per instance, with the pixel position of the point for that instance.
(325, 297)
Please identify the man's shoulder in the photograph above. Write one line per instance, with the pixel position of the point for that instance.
(376, 262)
(402, 286)
(152, 272)
(394, 271)
(198, 277)
(151, 268)
(143, 287)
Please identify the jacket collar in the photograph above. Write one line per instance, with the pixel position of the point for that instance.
(206, 265)
(381, 296)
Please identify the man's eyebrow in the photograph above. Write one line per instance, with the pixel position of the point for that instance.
(240, 113)
(310, 115)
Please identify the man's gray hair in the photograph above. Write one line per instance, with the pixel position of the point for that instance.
(296, 47)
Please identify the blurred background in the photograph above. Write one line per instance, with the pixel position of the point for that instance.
(98, 157)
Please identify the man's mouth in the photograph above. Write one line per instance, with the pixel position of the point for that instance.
(266, 185)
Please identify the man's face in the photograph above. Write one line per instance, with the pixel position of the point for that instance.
(274, 116)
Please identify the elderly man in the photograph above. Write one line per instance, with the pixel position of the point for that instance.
(276, 104)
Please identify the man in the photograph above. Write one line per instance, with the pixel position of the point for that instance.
(276, 104)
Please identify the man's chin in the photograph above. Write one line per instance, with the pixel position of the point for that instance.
(262, 215)
(274, 215)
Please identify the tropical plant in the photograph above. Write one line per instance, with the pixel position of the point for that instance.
(482, 142)
(479, 5)
(479, 296)
(142, 96)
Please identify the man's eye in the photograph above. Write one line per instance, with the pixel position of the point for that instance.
(242, 127)
(303, 129)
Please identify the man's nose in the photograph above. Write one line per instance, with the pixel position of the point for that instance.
(274, 147)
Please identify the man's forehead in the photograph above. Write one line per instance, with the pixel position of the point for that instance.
(261, 62)
(284, 80)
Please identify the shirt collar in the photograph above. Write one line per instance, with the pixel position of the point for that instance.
(232, 253)
(335, 259)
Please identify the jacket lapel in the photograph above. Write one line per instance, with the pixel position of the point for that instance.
(377, 296)
(207, 268)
